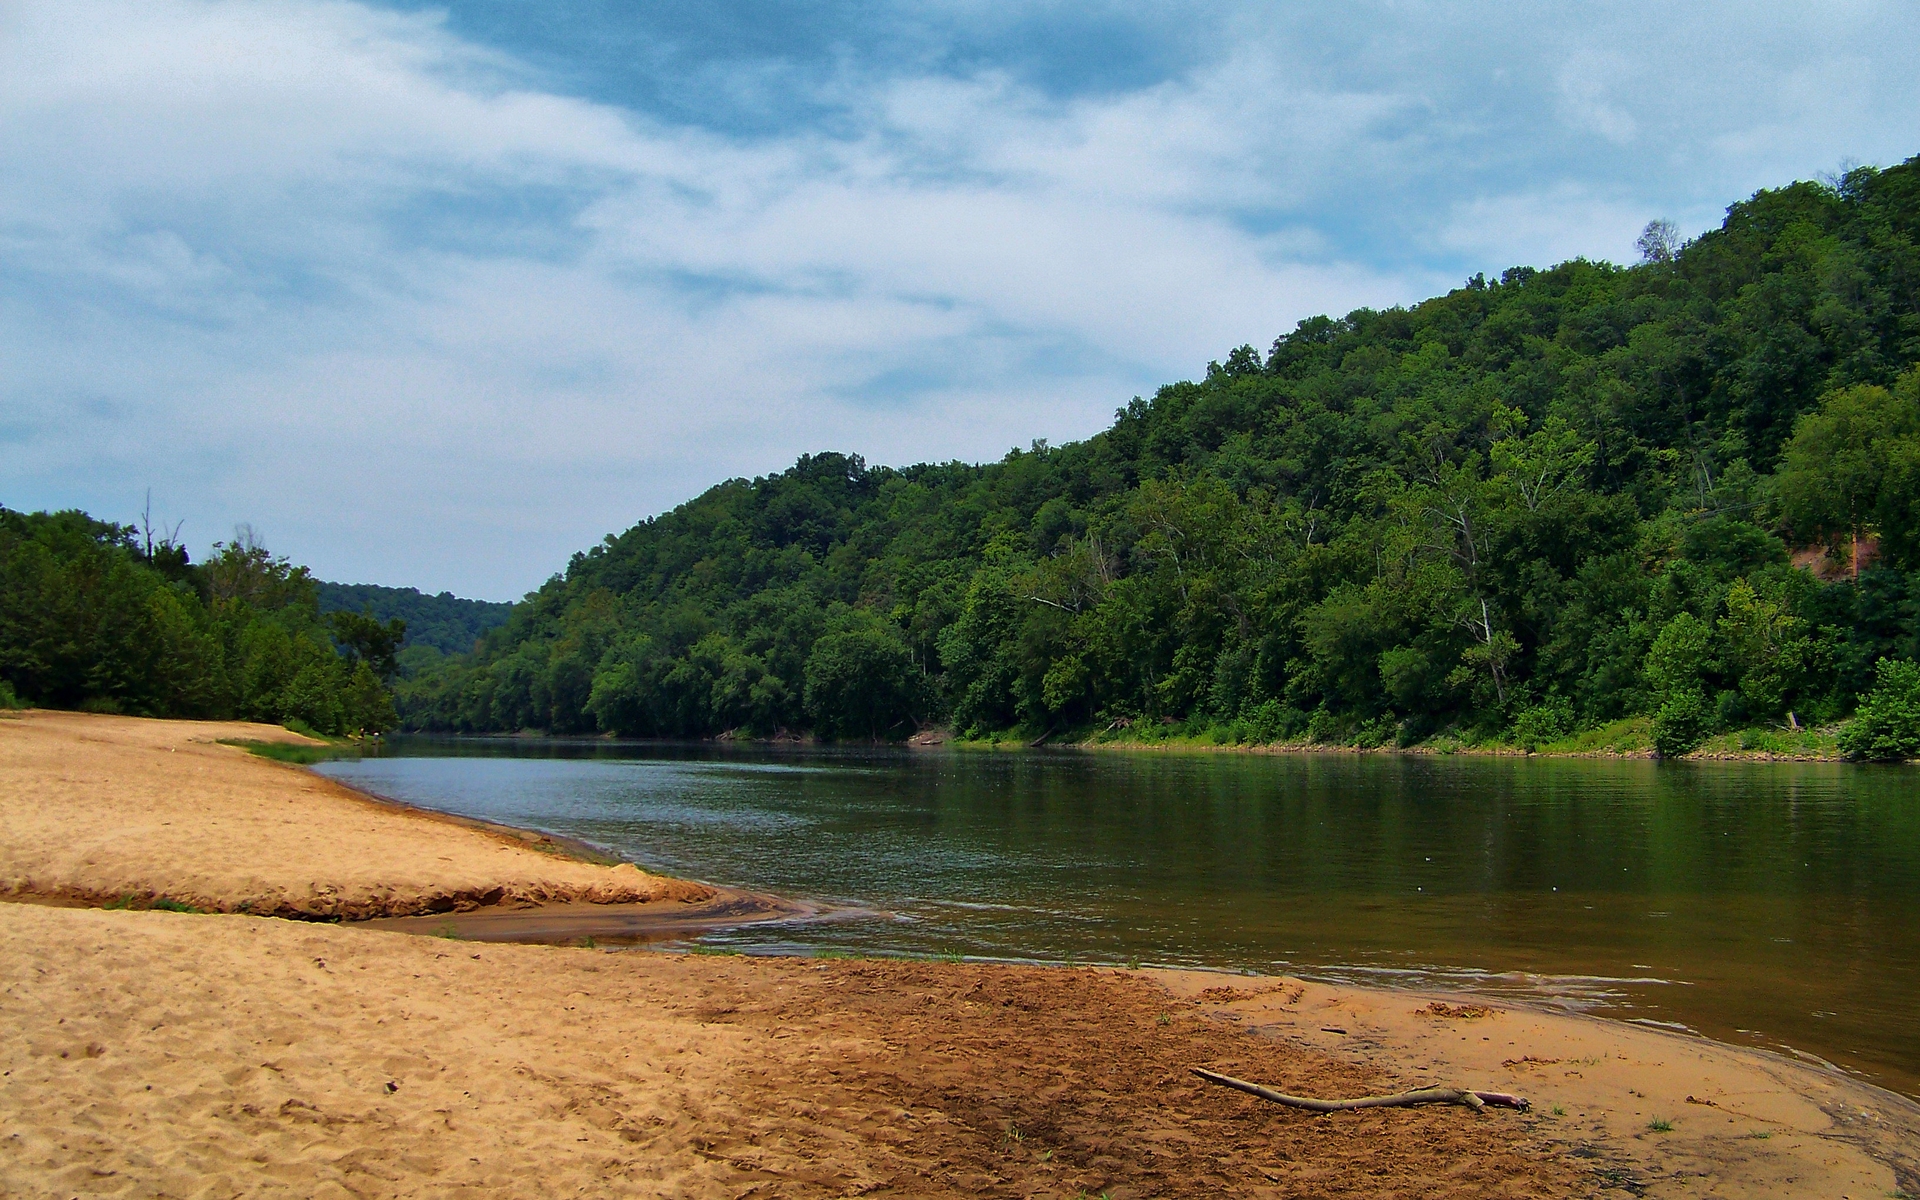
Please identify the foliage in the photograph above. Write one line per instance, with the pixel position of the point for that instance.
(1532, 508)
(92, 619)
(444, 623)
(1853, 466)
(1887, 725)
(286, 752)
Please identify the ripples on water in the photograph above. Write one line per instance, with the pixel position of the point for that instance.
(1770, 904)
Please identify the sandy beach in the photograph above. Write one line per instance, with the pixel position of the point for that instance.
(151, 1053)
(98, 809)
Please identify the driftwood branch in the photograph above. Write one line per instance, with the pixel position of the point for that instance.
(1436, 1095)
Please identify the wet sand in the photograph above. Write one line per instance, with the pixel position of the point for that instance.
(614, 924)
(159, 1053)
(1743, 1122)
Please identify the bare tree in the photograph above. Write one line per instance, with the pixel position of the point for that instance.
(1659, 242)
(169, 538)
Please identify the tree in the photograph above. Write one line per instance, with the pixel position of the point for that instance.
(362, 638)
(1676, 668)
(860, 683)
(1849, 463)
(1886, 727)
(1659, 242)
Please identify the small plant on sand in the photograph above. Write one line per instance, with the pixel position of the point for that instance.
(1660, 1125)
(284, 752)
(952, 956)
(1014, 1134)
(831, 952)
(1163, 1019)
(448, 932)
(1557, 1111)
(1133, 964)
(587, 943)
(131, 902)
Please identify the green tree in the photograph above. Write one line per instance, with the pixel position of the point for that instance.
(1850, 464)
(364, 638)
(861, 684)
(1886, 727)
(1676, 668)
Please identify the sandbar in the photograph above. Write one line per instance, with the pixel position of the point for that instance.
(147, 1053)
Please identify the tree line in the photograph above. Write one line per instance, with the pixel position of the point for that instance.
(1685, 490)
(100, 616)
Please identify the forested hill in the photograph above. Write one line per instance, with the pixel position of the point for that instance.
(1532, 505)
(445, 622)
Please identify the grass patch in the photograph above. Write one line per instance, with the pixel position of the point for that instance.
(587, 943)
(1632, 735)
(448, 932)
(290, 752)
(1659, 1125)
(132, 903)
(1794, 743)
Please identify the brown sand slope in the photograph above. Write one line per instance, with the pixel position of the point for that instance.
(167, 1054)
(96, 808)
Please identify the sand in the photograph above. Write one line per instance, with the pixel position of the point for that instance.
(171, 1054)
(1744, 1123)
(314, 1060)
(99, 808)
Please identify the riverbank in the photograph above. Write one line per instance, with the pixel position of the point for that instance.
(157, 1051)
(1631, 738)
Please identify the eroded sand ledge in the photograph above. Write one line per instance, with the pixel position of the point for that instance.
(151, 1053)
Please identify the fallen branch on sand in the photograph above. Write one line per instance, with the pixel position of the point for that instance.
(1436, 1095)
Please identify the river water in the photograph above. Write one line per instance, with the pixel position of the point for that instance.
(1769, 904)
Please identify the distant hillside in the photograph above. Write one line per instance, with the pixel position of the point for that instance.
(1533, 507)
(445, 622)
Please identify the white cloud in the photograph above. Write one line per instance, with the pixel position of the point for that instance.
(424, 319)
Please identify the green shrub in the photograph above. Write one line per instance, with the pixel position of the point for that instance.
(1548, 721)
(1886, 727)
(1682, 722)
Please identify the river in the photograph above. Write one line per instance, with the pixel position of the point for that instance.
(1768, 904)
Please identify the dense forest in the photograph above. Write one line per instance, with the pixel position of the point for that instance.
(98, 616)
(1684, 490)
(442, 624)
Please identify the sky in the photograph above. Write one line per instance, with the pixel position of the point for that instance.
(436, 295)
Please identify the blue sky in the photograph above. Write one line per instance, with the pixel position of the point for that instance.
(435, 295)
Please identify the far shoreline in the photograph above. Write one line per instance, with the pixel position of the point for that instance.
(943, 740)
